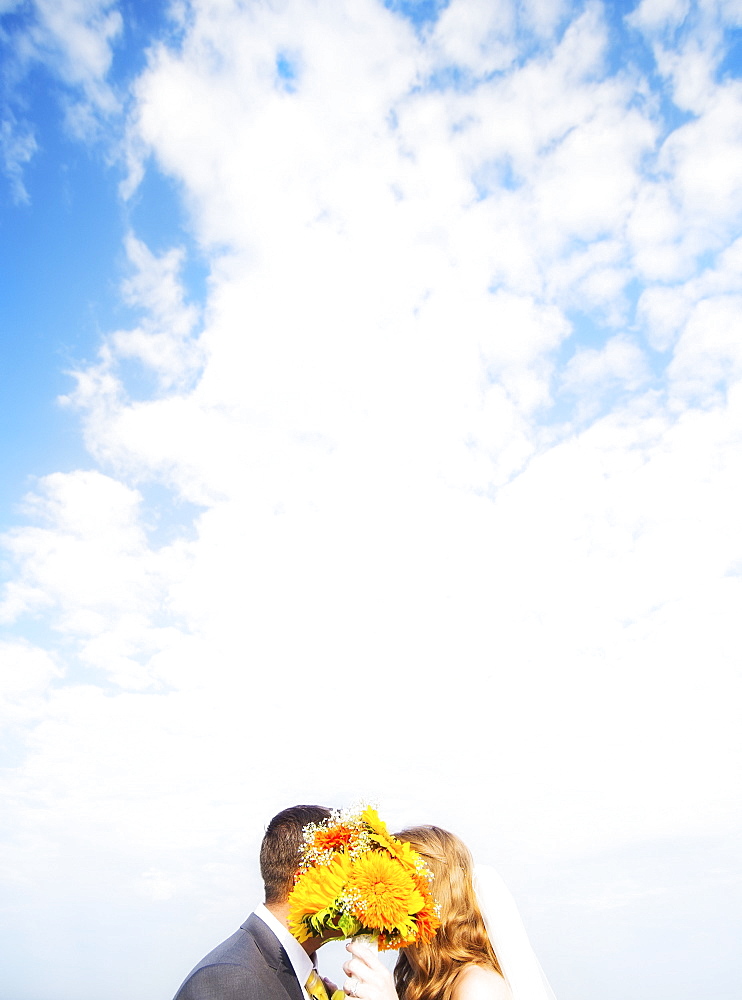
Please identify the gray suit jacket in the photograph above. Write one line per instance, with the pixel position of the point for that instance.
(249, 965)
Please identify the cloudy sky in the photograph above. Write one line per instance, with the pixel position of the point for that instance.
(371, 387)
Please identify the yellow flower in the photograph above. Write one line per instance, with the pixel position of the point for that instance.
(385, 894)
(380, 834)
(407, 854)
(315, 890)
(371, 817)
(379, 831)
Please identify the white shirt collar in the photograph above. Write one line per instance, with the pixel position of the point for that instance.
(300, 961)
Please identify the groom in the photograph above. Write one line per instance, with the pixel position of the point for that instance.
(262, 960)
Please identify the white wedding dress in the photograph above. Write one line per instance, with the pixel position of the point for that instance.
(520, 967)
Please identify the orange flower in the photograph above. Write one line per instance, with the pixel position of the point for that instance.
(336, 838)
(427, 920)
(385, 893)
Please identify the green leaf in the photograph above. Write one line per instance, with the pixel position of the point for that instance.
(348, 924)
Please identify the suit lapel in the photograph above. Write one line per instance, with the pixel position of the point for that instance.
(275, 956)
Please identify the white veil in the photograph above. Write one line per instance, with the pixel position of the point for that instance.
(517, 959)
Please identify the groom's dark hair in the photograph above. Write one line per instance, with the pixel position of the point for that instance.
(279, 852)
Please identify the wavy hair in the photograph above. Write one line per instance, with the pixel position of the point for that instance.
(428, 971)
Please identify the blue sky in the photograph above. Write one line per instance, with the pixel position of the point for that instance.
(378, 363)
(63, 223)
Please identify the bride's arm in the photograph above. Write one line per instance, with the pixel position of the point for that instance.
(477, 983)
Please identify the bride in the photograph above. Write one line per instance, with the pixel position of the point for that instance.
(480, 951)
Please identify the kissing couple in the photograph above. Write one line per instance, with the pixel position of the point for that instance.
(480, 951)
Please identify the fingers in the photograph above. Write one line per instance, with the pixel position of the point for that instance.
(360, 982)
(363, 970)
(364, 953)
(351, 987)
(355, 972)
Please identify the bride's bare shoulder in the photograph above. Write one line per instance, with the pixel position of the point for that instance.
(475, 982)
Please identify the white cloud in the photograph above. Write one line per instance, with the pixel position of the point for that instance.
(164, 342)
(476, 37)
(26, 675)
(695, 207)
(689, 42)
(544, 16)
(708, 355)
(18, 147)
(656, 14)
(663, 310)
(91, 569)
(76, 38)
(619, 364)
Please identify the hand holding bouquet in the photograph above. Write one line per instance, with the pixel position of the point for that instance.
(356, 878)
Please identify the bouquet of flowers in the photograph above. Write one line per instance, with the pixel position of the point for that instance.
(356, 878)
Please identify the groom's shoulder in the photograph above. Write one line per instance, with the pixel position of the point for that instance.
(234, 968)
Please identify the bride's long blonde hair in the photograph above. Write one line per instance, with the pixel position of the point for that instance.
(428, 971)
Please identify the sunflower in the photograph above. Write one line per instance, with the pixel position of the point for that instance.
(399, 849)
(379, 830)
(370, 817)
(407, 855)
(315, 893)
(385, 895)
